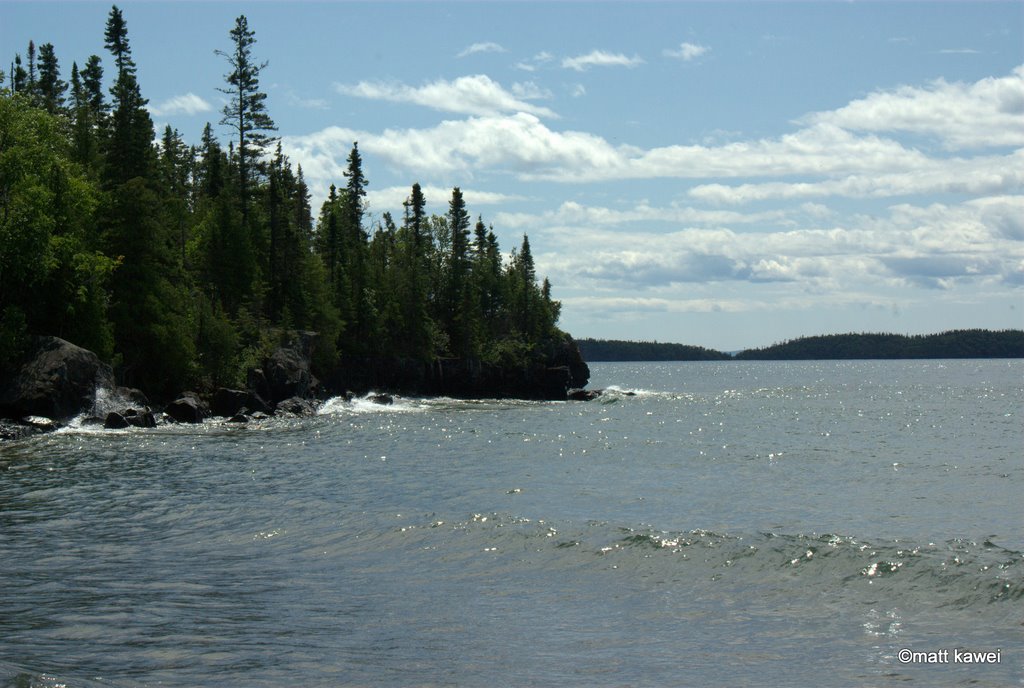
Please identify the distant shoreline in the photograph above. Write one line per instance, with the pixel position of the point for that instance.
(962, 344)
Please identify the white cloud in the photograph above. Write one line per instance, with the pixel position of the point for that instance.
(188, 104)
(518, 143)
(687, 51)
(574, 213)
(600, 58)
(470, 95)
(987, 113)
(588, 250)
(530, 91)
(535, 62)
(488, 47)
(975, 176)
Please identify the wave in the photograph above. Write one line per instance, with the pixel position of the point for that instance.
(14, 676)
(955, 574)
(377, 403)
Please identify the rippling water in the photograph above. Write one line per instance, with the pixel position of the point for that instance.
(701, 524)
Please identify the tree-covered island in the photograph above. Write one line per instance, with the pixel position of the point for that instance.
(186, 266)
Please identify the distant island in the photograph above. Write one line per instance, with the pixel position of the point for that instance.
(618, 350)
(951, 344)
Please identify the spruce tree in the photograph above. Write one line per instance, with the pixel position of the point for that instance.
(51, 87)
(246, 112)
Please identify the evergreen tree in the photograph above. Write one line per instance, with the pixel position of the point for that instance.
(30, 84)
(19, 77)
(459, 311)
(129, 151)
(92, 84)
(51, 87)
(246, 112)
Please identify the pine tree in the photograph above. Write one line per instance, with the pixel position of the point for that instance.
(92, 84)
(51, 87)
(246, 112)
(129, 151)
(19, 77)
(30, 84)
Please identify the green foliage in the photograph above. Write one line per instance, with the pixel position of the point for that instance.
(52, 279)
(952, 344)
(188, 265)
(618, 350)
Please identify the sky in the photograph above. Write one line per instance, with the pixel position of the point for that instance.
(721, 174)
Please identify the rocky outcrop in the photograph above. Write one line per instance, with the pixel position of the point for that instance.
(57, 379)
(286, 372)
(230, 402)
(547, 373)
(188, 408)
(296, 406)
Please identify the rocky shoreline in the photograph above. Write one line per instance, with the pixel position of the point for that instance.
(58, 381)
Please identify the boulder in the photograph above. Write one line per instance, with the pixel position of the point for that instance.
(188, 408)
(229, 402)
(296, 406)
(140, 419)
(10, 430)
(115, 421)
(286, 372)
(382, 399)
(58, 380)
(584, 394)
(238, 418)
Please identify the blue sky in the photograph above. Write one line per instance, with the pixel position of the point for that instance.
(722, 174)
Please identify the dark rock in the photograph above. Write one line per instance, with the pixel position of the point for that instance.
(286, 372)
(57, 380)
(189, 408)
(10, 431)
(259, 415)
(115, 421)
(382, 399)
(288, 375)
(135, 396)
(238, 418)
(229, 402)
(144, 419)
(296, 406)
(585, 394)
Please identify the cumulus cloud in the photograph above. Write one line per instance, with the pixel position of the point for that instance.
(488, 47)
(838, 153)
(686, 51)
(600, 58)
(574, 213)
(470, 95)
(188, 104)
(520, 143)
(985, 175)
(933, 246)
(986, 113)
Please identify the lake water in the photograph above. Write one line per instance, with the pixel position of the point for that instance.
(736, 523)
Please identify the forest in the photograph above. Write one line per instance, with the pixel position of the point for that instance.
(618, 350)
(183, 264)
(951, 344)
